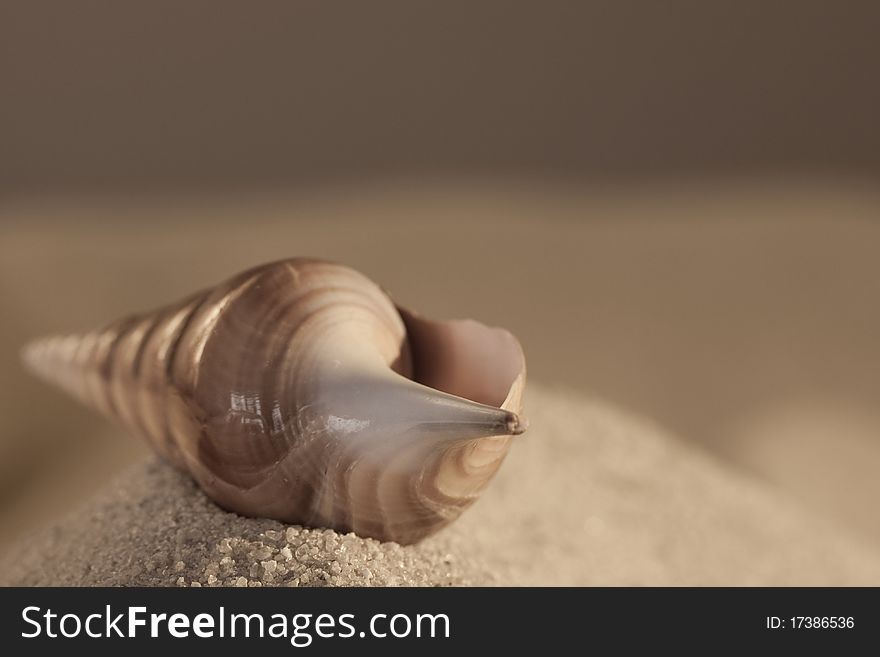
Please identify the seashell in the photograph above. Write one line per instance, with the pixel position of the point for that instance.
(298, 391)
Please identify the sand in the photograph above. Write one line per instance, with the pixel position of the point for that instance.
(589, 496)
(153, 527)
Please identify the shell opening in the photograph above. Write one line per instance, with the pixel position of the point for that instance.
(465, 358)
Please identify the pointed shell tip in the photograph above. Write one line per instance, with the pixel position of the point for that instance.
(517, 425)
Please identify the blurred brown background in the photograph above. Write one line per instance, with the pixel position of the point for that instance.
(102, 95)
(674, 205)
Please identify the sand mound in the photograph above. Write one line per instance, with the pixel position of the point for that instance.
(589, 496)
(153, 527)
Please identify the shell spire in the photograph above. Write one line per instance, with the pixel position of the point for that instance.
(298, 391)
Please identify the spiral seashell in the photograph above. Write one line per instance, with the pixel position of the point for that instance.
(298, 391)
